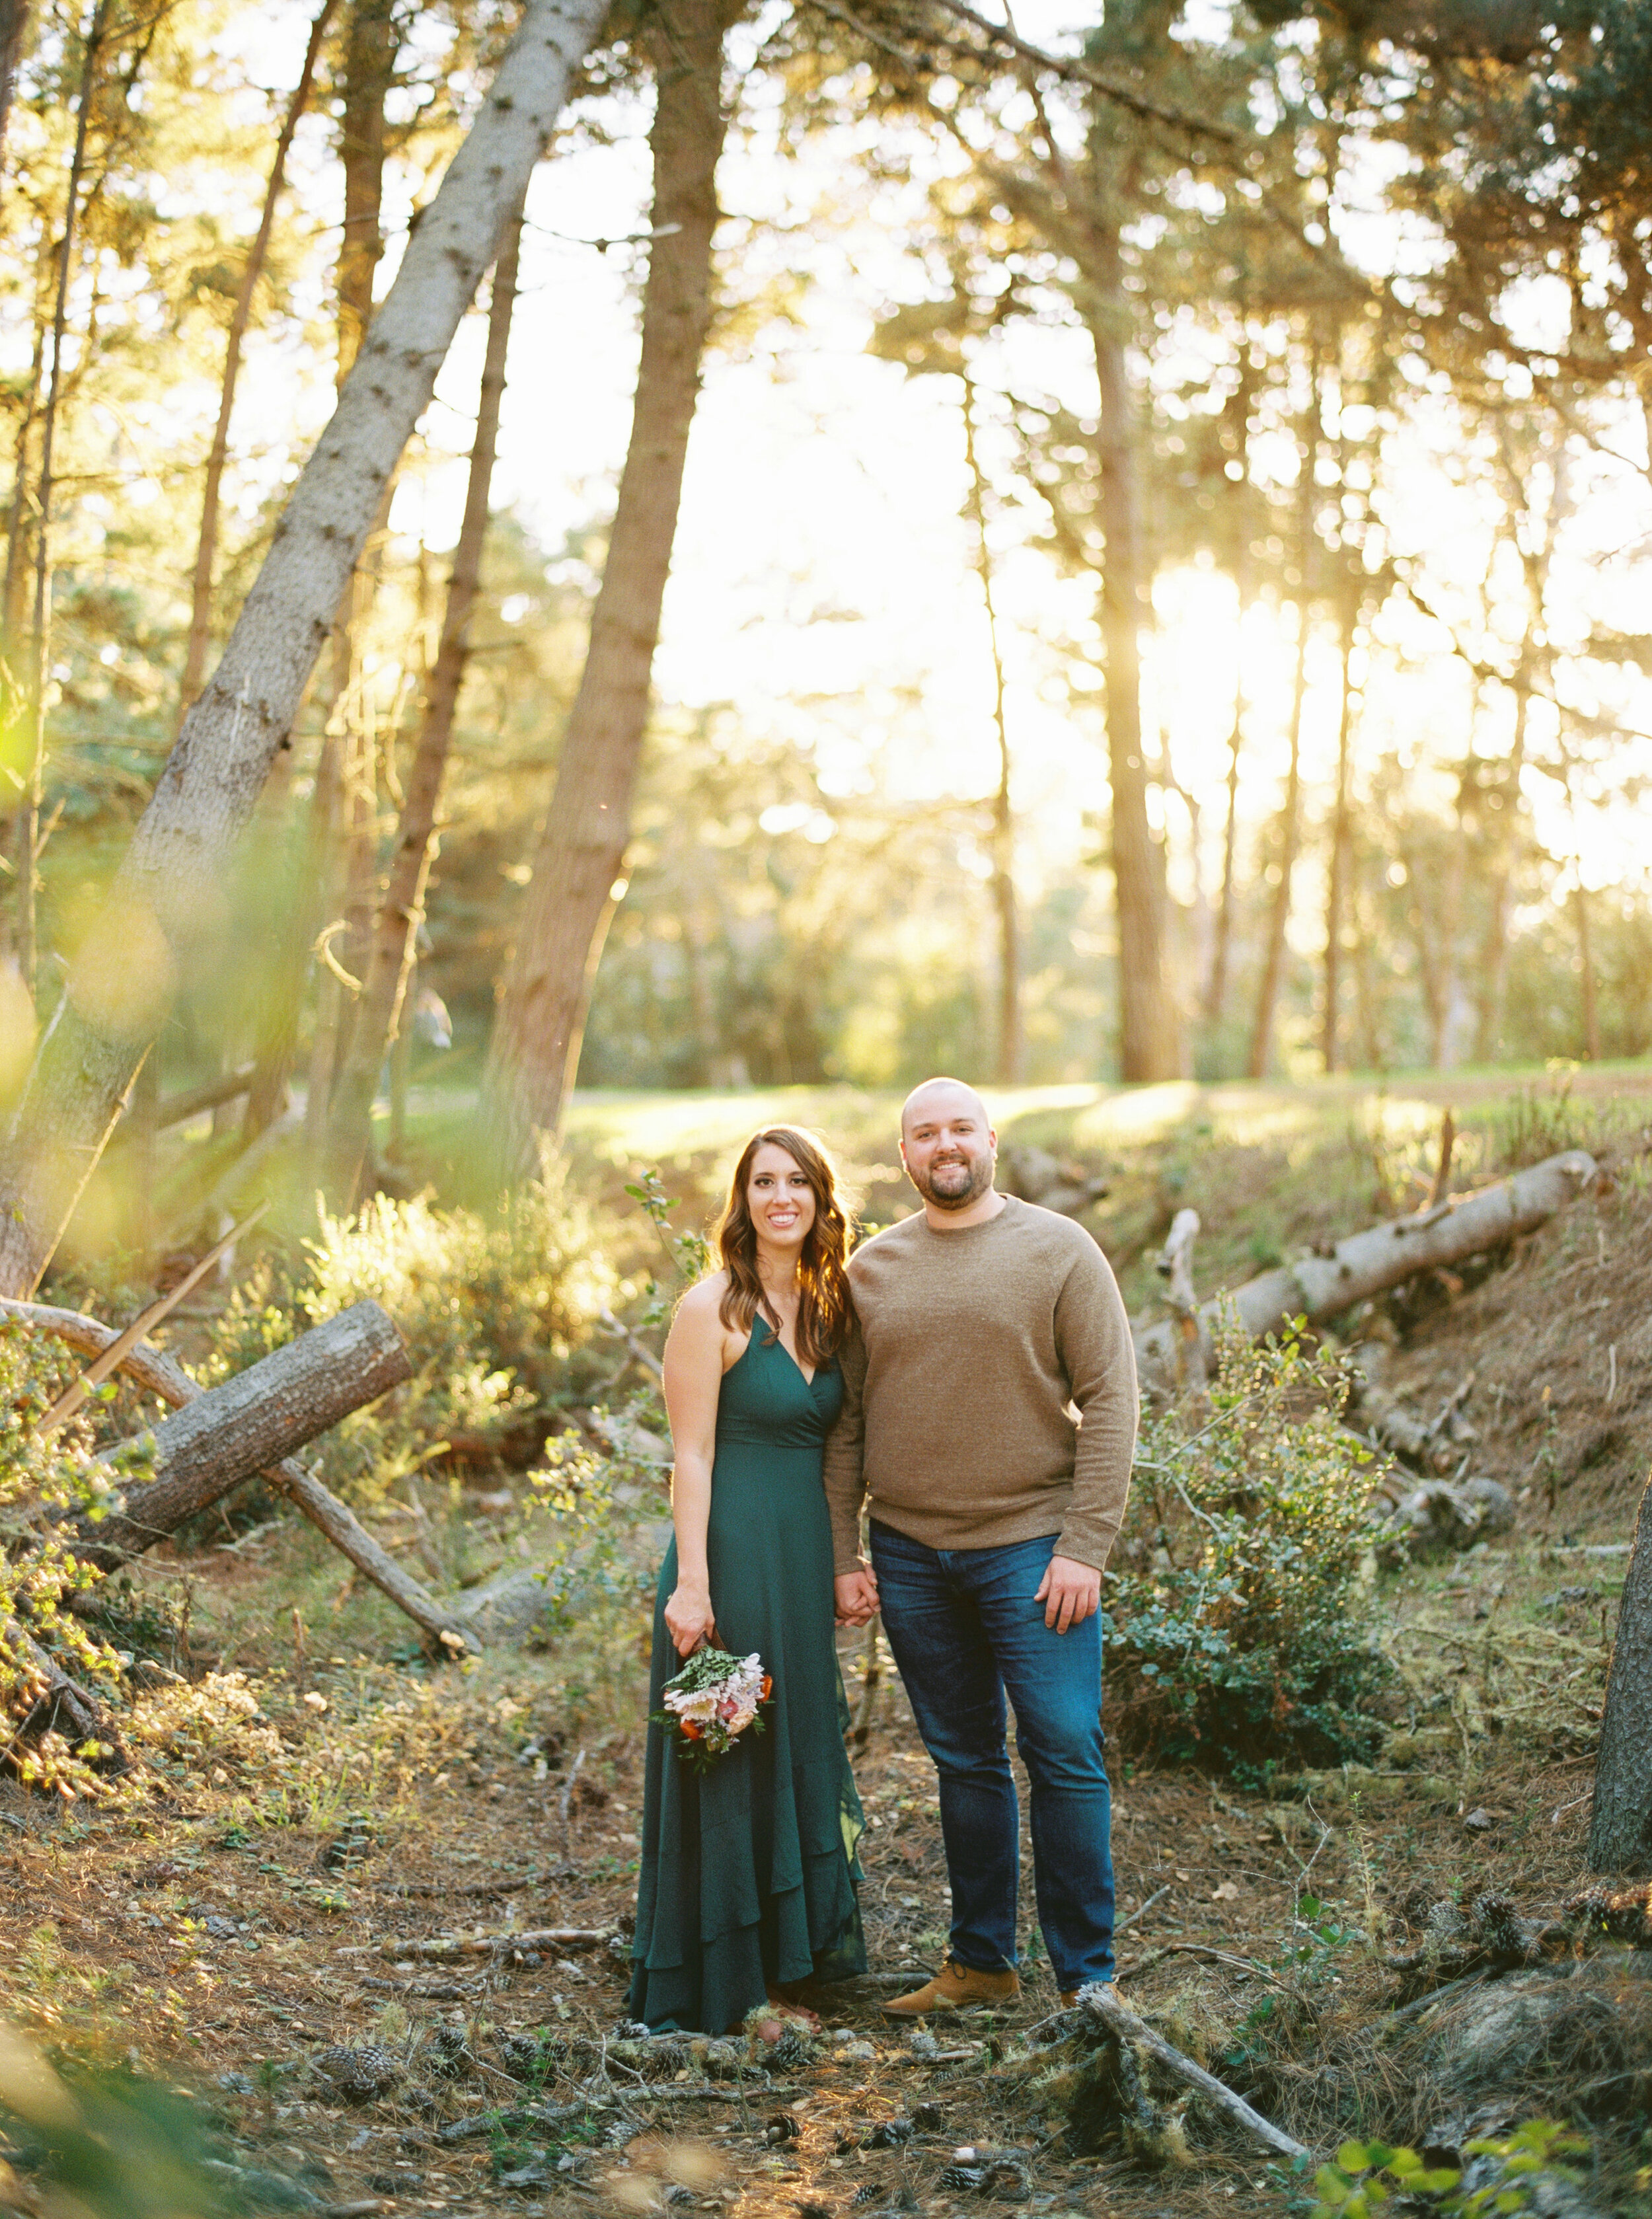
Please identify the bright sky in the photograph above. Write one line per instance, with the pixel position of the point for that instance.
(821, 550)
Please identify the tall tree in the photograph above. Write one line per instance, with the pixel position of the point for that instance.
(1290, 810)
(534, 1052)
(1008, 1039)
(401, 909)
(169, 889)
(206, 556)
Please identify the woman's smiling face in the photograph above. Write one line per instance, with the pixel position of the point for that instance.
(779, 1198)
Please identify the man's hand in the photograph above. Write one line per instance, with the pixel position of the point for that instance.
(856, 1596)
(1069, 1592)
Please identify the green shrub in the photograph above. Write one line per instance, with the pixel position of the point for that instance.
(54, 1473)
(1366, 2175)
(1239, 1607)
(494, 1311)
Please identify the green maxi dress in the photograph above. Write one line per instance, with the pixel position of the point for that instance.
(749, 1873)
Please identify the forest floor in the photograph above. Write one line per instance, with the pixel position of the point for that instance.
(231, 1925)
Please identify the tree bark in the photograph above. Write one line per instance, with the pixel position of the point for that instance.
(206, 553)
(1620, 1826)
(381, 1014)
(1215, 993)
(29, 843)
(534, 1052)
(1586, 974)
(250, 1423)
(1149, 1042)
(169, 1383)
(167, 894)
(14, 22)
(1342, 833)
(1291, 814)
(1010, 1032)
(1365, 1263)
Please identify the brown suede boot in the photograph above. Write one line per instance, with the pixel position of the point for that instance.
(956, 1987)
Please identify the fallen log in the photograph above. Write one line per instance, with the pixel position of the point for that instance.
(447, 1946)
(1099, 2001)
(169, 1384)
(253, 1420)
(1319, 1288)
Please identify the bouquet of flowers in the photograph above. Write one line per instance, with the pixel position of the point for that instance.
(711, 1702)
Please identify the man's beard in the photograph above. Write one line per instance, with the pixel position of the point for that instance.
(955, 1185)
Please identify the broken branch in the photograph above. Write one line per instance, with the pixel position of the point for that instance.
(1100, 2002)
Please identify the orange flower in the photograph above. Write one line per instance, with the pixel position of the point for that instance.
(768, 1682)
(691, 1731)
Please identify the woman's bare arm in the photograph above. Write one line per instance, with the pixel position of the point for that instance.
(694, 1379)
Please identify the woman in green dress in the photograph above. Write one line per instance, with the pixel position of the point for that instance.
(748, 1875)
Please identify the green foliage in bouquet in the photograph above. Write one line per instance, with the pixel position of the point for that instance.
(1240, 1621)
(702, 1739)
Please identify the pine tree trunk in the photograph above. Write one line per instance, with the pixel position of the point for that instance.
(167, 895)
(1149, 1042)
(1620, 1827)
(1273, 961)
(1342, 831)
(534, 1052)
(1586, 974)
(1008, 1071)
(381, 1014)
(28, 843)
(14, 22)
(206, 554)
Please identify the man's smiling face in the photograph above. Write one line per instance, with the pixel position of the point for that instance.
(948, 1147)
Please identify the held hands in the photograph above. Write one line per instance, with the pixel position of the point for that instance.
(1070, 1592)
(856, 1595)
(688, 1619)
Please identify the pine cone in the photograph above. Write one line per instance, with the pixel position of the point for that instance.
(445, 2053)
(359, 2073)
(790, 2051)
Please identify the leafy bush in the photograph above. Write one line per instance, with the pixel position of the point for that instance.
(494, 1311)
(54, 1474)
(1500, 2178)
(1238, 1618)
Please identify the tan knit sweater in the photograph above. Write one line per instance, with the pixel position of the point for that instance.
(972, 1348)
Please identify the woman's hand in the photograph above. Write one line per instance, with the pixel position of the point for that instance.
(688, 1619)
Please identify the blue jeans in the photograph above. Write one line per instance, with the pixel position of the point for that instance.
(965, 1629)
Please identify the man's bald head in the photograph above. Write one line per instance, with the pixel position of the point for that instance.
(931, 1095)
(948, 1145)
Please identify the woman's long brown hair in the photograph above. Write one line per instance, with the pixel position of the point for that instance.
(823, 1302)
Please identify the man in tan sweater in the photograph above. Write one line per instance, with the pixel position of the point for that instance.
(985, 1323)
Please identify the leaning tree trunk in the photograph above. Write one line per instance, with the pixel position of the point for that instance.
(1620, 1829)
(205, 552)
(158, 1374)
(1320, 1288)
(401, 911)
(169, 892)
(534, 1052)
(1149, 1042)
(253, 1420)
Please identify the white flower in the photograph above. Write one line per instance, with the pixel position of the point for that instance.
(700, 1707)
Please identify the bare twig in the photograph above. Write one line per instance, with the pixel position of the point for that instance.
(1102, 2003)
(71, 1398)
(1141, 1909)
(565, 1800)
(446, 1947)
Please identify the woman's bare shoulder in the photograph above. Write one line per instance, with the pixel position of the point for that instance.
(704, 1300)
